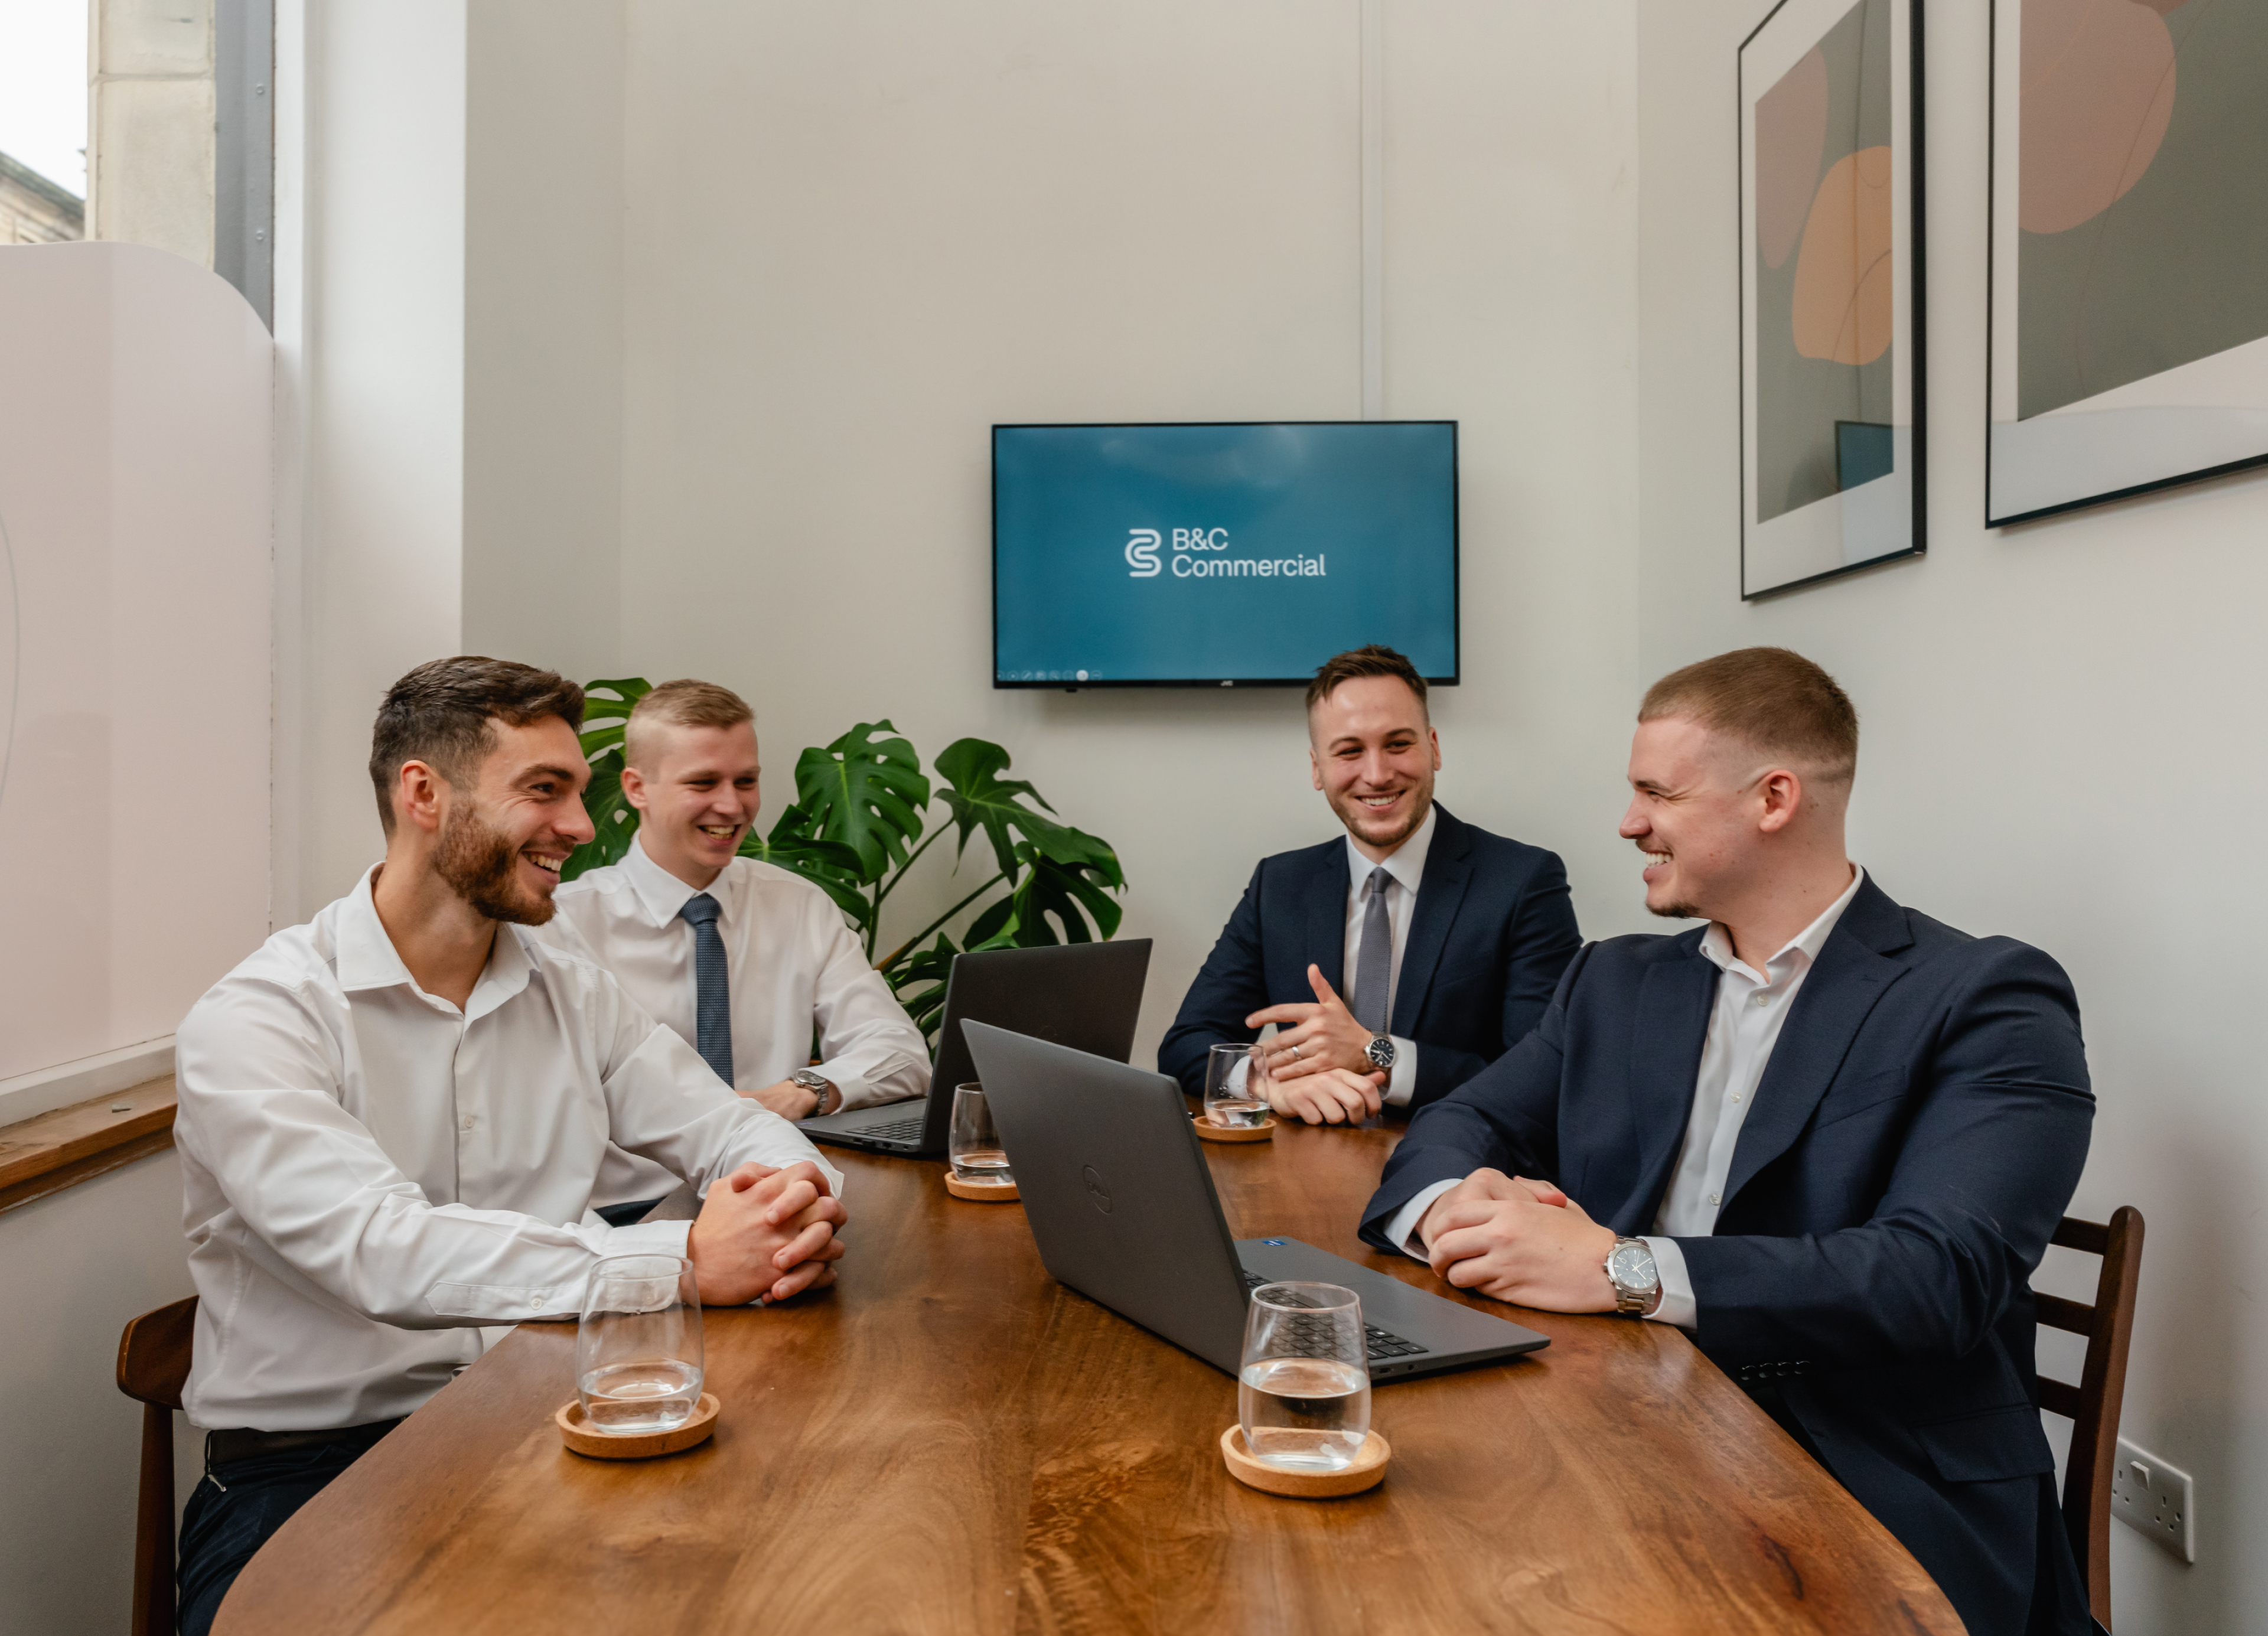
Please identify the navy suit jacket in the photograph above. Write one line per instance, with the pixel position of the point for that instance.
(1491, 930)
(1914, 1140)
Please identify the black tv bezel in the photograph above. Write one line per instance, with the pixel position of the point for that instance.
(1456, 551)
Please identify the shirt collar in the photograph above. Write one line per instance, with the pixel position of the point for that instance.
(367, 958)
(659, 893)
(1717, 943)
(1408, 864)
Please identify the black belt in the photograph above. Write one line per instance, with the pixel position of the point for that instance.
(243, 1443)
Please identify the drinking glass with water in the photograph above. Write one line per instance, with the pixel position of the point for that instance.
(1304, 1392)
(638, 1352)
(974, 1142)
(1236, 1080)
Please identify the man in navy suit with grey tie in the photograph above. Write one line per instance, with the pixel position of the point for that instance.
(1825, 1135)
(1398, 960)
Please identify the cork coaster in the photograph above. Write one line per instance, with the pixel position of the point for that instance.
(576, 1433)
(985, 1192)
(1367, 1471)
(1263, 1131)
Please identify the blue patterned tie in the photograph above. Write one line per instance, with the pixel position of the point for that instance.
(712, 999)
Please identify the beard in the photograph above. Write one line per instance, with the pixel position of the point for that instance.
(481, 864)
(1678, 911)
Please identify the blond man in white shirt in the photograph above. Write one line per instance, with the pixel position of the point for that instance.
(392, 1119)
(782, 970)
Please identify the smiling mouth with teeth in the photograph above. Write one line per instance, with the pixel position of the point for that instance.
(549, 865)
(718, 832)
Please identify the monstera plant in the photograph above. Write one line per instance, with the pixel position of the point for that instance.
(857, 826)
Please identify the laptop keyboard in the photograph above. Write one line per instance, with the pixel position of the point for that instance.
(1379, 1343)
(896, 1131)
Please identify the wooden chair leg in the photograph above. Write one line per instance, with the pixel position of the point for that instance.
(153, 1527)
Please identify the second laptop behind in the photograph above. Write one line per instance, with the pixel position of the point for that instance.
(1083, 995)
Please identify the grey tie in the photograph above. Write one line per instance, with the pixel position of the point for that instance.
(1373, 959)
(712, 998)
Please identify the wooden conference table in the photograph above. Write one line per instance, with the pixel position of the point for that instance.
(951, 1441)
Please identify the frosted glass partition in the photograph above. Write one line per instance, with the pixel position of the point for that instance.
(134, 556)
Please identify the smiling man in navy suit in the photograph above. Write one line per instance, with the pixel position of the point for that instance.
(1825, 1134)
(1398, 960)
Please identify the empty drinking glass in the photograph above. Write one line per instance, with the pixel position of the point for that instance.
(1235, 1080)
(1304, 1393)
(638, 1352)
(975, 1142)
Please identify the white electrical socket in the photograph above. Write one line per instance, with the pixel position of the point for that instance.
(2154, 1498)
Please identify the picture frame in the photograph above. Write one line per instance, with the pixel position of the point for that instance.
(2128, 319)
(1833, 451)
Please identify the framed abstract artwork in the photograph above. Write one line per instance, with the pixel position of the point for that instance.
(2129, 249)
(1831, 309)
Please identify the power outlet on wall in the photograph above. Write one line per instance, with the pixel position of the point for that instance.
(2154, 1498)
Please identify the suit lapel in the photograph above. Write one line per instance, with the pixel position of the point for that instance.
(1440, 892)
(1667, 1031)
(1853, 972)
(1326, 911)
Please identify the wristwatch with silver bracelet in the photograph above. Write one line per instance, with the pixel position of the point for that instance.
(819, 1086)
(1637, 1281)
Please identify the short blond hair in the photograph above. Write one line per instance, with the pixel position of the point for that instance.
(1773, 700)
(684, 702)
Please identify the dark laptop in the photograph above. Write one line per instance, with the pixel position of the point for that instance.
(1119, 1197)
(1086, 995)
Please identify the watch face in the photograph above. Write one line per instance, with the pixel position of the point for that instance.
(1380, 1052)
(1632, 1265)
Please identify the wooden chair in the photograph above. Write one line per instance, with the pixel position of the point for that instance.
(154, 1366)
(2092, 1406)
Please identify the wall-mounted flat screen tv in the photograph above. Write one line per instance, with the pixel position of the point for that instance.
(1221, 555)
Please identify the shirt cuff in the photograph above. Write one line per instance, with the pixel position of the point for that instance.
(655, 1238)
(1677, 1305)
(1403, 1081)
(1402, 1231)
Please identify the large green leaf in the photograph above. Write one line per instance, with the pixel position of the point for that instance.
(827, 864)
(980, 799)
(615, 819)
(1050, 904)
(919, 981)
(866, 793)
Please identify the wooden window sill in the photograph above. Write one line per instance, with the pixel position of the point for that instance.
(86, 1139)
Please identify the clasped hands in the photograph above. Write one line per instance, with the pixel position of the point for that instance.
(765, 1235)
(1521, 1241)
(1317, 1068)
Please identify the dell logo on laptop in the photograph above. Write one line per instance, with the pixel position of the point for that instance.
(1096, 1191)
(1277, 1243)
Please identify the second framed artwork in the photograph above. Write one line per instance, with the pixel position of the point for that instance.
(1831, 299)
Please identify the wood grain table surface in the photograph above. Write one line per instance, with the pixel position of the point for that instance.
(951, 1441)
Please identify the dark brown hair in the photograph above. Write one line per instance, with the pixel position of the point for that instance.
(684, 702)
(441, 714)
(1772, 699)
(1368, 660)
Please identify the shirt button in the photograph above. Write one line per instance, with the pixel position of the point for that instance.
(1712, 1199)
(1759, 999)
(1736, 1097)
(468, 1122)
(537, 1303)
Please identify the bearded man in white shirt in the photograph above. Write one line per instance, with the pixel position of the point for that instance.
(749, 963)
(392, 1119)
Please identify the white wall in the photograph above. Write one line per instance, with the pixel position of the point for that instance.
(858, 235)
(2049, 752)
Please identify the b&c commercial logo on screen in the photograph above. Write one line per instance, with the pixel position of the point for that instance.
(1143, 562)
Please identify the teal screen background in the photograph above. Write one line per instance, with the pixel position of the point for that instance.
(1373, 502)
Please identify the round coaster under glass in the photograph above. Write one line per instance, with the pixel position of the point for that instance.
(1263, 1131)
(1367, 1471)
(575, 1431)
(985, 1192)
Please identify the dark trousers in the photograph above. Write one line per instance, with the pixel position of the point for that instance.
(240, 1504)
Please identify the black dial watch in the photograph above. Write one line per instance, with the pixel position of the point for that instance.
(1637, 1281)
(1380, 1052)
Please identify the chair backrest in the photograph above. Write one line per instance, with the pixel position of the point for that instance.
(153, 1354)
(2092, 1406)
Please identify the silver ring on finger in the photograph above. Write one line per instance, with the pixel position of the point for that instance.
(1299, 1050)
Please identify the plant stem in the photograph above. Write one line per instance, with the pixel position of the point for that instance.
(899, 873)
(900, 952)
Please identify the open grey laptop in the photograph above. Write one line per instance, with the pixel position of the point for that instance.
(1119, 1197)
(1083, 994)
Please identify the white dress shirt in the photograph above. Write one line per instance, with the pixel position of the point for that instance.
(1744, 1025)
(370, 1173)
(1407, 867)
(792, 967)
